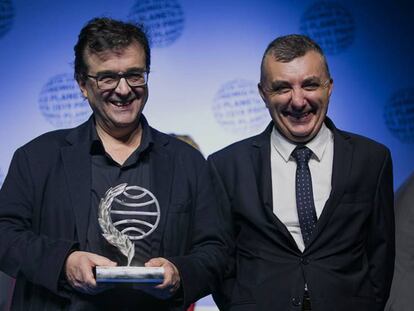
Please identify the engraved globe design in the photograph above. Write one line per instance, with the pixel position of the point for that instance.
(6, 16)
(238, 108)
(399, 115)
(135, 203)
(330, 24)
(126, 214)
(62, 103)
(163, 20)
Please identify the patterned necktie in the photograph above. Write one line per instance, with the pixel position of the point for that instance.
(304, 194)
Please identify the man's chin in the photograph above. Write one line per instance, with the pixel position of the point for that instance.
(124, 125)
(300, 135)
(303, 136)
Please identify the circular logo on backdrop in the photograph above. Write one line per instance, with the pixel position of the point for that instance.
(330, 24)
(239, 109)
(6, 16)
(399, 115)
(61, 102)
(162, 19)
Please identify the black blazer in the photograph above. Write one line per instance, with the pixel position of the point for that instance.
(44, 209)
(348, 264)
(401, 295)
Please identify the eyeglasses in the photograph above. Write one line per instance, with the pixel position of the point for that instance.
(110, 81)
(282, 88)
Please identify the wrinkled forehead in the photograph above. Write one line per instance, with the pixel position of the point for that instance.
(310, 64)
(132, 51)
(116, 51)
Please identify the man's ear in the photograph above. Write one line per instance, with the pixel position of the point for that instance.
(83, 88)
(262, 95)
(330, 87)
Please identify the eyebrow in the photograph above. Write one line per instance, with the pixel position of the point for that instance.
(312, 79)
(129, 70)
(282, 83)
(279, 83)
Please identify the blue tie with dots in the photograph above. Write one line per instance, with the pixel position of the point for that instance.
(304, 193)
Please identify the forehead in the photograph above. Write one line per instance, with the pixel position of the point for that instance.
(118, 60)
(309, 65)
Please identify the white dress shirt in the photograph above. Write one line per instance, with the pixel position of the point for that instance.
(283, 167)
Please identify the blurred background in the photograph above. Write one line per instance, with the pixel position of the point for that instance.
(205, 67)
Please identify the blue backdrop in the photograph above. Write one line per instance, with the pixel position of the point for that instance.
(206, 58)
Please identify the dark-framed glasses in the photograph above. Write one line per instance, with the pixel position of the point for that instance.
(110, 81)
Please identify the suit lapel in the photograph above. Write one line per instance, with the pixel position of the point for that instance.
(260, 157)
(261, 164)
(342, 164)
(77, 166)
(162, 170)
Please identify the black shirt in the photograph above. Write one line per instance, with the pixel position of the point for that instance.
(106, 173)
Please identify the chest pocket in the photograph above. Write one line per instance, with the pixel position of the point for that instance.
(180, 206)
(357, 197)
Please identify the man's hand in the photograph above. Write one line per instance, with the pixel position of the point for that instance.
(78, 269)
(171, 276)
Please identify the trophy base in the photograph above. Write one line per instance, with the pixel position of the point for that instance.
(131, 275)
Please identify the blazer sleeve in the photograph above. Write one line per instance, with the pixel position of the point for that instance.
(222, 293)
(23, 251)
(381, 238)
(401, 290)
(205, 262)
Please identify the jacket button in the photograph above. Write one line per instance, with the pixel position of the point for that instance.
(296, 302)
(304, 260)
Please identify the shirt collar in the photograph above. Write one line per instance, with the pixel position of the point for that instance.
(285, 147)
(146, 142)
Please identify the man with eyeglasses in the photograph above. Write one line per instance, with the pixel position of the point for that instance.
(310, 207)
(50, 238)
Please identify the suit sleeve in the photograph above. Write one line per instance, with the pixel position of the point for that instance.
(381, 239)
(222, 294)
(22, 250)
(401, 291)
(203, 266)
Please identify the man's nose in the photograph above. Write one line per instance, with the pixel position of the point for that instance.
(298, 98)
(123, 87)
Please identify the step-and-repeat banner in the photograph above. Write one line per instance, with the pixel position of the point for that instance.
(205, 68)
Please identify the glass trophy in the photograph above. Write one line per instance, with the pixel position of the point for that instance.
(141, 215)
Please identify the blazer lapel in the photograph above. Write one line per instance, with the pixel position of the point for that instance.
(260, 156)
(342, 164)
(77, 166)
(261, 164)
(162, 170)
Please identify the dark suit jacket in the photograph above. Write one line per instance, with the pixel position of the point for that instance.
(401, 295)
(44, 209)
(348, 264)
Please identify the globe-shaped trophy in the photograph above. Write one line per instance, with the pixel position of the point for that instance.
(141, 216)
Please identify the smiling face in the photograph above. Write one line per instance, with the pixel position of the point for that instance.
(296, 94)
(117, 110)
